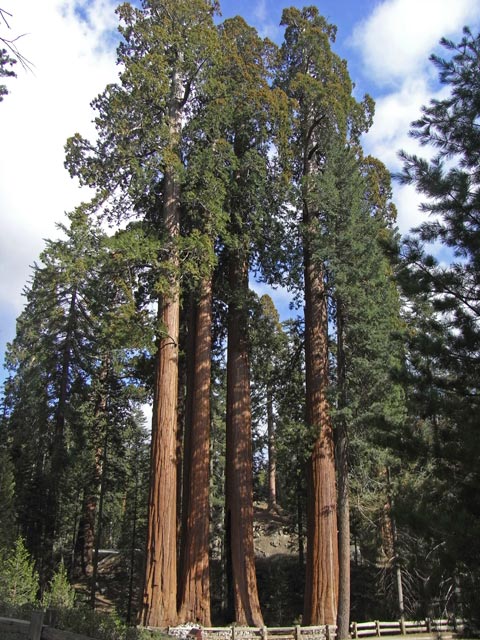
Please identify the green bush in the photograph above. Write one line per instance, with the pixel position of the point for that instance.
(100, 626)
(18, 578)
(60, 593)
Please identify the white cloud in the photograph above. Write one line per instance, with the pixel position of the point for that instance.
(394, 114)
(260, 11)
(72, 63)
(395, 42)
(408, 202)
(397, 38)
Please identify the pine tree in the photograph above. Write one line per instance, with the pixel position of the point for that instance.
(445, 310)
(365, 317)
(18, 578)
(60, 593)
(49, 355)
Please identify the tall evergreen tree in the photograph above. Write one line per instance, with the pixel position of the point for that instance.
(268, 349)
(318, 82)
(365, 318)
(244, 60)
(446, 348)
(51, 352)
(204, 202)
(138, 158)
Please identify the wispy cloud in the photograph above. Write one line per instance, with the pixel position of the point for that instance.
(71, 65)
(395, 43)
(260, 11)
(397, 38)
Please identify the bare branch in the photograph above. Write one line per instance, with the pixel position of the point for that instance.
(11, 43)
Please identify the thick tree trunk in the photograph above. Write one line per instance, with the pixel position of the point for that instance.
(239, 474)
(321, 589)
(185, 416)
(195, 575)
(343, 614)
(159, 607)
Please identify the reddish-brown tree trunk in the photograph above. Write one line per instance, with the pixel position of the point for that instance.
(159, 606)
(195, 573)
(321, 589)
(239, 474)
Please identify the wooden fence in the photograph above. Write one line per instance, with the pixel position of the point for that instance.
(36, 630)
(401, 628)
(325, 632)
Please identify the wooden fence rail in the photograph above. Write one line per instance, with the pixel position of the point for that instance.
(401, 627)
(36, 630)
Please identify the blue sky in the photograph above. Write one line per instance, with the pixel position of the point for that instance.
(386, 44)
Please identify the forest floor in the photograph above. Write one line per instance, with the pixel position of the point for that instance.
(274, 543)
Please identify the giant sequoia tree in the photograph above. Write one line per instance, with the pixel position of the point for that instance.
(247, 126)
(324, 111)
(136, 166)
(221, 155)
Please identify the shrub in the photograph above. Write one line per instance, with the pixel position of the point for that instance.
(60, 593)
(18, 578)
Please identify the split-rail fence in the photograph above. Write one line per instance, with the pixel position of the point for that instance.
(35, 629)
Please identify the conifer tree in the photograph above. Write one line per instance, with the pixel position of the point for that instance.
(247, 127)
(136, 164)
(205, 217)
(365, 315)
(445, 295)
(51, 352)
(19, 583)
(318, 82)
(268, 349)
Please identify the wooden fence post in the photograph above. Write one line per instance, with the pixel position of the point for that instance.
(264, 633)
(298, 632)
(402, 626)
(377, 628)
(36, 625)
(354, 630)
(233, 631)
